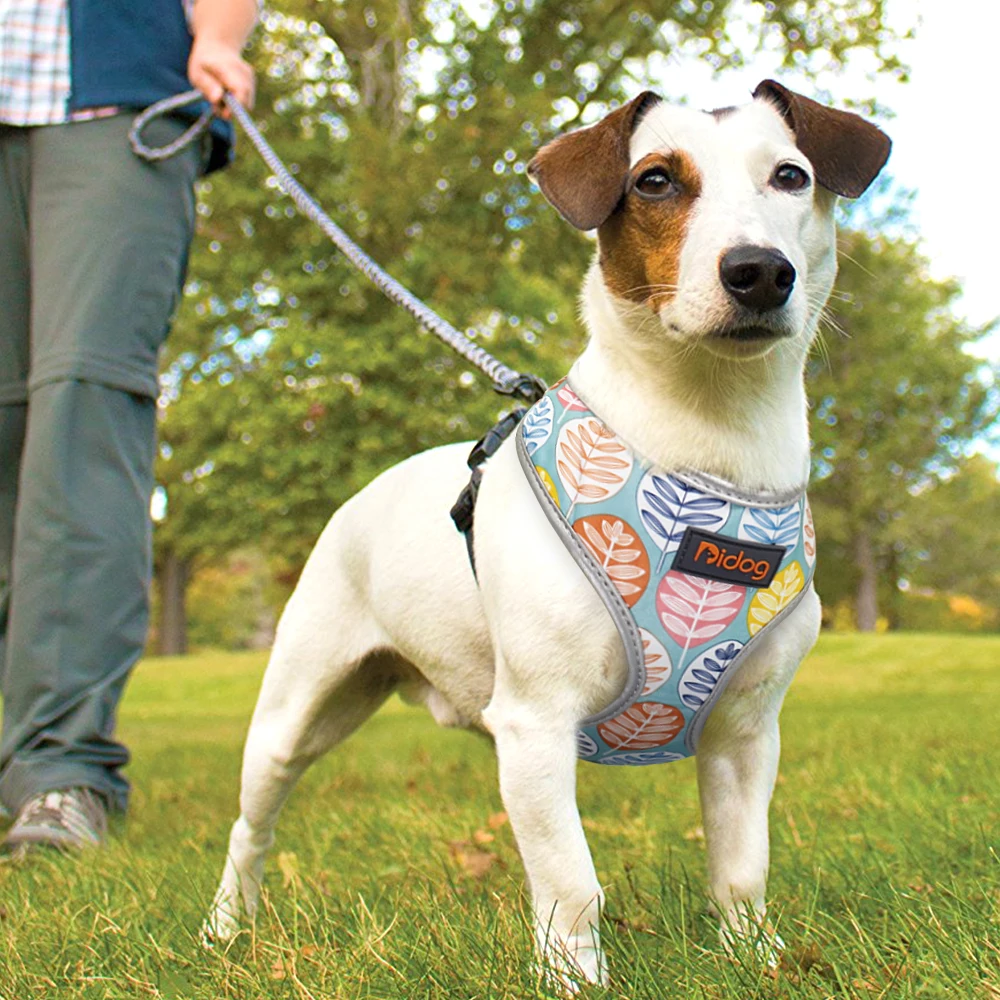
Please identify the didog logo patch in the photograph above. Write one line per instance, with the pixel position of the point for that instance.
(734, 560)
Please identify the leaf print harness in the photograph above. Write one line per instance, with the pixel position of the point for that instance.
(691, 568)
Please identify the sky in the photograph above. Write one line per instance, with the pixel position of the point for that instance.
(944, 129)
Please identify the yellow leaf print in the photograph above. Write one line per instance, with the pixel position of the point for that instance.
(550, 487)
(767, 603)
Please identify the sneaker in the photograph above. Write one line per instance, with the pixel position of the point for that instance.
(69, 819)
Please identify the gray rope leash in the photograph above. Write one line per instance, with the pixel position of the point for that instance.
(505, 380)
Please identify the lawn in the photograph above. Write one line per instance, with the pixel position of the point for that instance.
(395, 873)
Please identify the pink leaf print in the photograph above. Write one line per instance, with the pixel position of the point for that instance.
(693, 610)
(592, 463)
(657, 660)
(642, 726)
(809, 536)
(616, 546)
(570, 400)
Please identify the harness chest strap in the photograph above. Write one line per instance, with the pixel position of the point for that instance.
(691, 568)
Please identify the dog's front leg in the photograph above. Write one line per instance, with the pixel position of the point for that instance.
(737, 768)
(736, 776)
(536, 750)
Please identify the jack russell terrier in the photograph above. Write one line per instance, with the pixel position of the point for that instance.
(661, 493)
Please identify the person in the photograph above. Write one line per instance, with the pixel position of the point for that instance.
(93, 251)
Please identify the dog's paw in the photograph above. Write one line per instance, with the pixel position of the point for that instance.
(221, 925)
(742, 939)
(564, 970)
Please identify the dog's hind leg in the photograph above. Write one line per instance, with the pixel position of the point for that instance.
(320, 685)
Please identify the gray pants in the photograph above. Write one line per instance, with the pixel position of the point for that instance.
(93, 248)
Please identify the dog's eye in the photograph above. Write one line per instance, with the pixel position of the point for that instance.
(789, 177)
(654, 183)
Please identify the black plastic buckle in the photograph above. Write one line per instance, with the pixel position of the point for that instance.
(490, 442)
(464, 510)
(529, 387)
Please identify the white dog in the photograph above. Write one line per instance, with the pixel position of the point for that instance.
(716, 256)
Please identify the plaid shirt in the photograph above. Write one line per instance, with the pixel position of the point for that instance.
(34, 64)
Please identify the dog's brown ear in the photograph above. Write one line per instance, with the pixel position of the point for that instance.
(846, 152)
(583, 173)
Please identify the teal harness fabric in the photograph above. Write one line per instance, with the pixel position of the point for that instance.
(691, 568)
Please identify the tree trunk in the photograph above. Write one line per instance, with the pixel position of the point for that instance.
(173, 608)
(892, 610)
(866, 606)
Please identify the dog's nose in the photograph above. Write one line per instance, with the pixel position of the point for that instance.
(757, 277)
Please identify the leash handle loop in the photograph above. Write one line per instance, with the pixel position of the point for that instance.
(154, 154)
(505, 380)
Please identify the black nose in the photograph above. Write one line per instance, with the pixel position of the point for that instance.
(757, 277)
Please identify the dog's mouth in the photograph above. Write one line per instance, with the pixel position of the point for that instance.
(748, 334)
(743, 341)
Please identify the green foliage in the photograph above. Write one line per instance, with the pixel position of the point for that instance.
(384, 884)
(952, 530)
(289, 381)
(897, 400)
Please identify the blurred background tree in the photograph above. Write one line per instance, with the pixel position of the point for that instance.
(898, 399)
(289, 383)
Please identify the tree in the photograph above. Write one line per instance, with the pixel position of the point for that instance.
(289, 381)
(951, 533)
(897, 399)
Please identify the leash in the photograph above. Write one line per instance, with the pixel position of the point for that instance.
(506, 381)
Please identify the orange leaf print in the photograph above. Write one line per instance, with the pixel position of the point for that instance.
(616, 546)
(657, 662)
(642, 726)
(809, 536)
(592, 463)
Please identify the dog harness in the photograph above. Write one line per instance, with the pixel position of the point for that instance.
(692, 569)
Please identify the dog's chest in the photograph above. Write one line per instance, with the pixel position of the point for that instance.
(691, 570)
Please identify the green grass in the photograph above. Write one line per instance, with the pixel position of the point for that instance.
(383, 883)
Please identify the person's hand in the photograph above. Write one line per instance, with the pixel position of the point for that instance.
(215, 67)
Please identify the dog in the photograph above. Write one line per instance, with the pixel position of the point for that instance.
(716, 253)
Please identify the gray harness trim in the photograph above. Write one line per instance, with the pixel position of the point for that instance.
(606, 590)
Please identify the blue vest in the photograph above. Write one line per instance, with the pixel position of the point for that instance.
(693, 570)
(133, 53)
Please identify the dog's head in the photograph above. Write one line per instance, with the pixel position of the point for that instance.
(720, 223)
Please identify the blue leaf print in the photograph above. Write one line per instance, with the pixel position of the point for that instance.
(699, 681)
(777, 526)
(642, 757)
(585, 745)
(669, 506)
(537, 426)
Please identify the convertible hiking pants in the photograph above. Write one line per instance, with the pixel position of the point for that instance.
(93, 248)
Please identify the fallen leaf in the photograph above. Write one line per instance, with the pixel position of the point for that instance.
(695, 833)
(482, 837)
(497, 820)
(808, 956)
(278, 970)
(473, 861)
